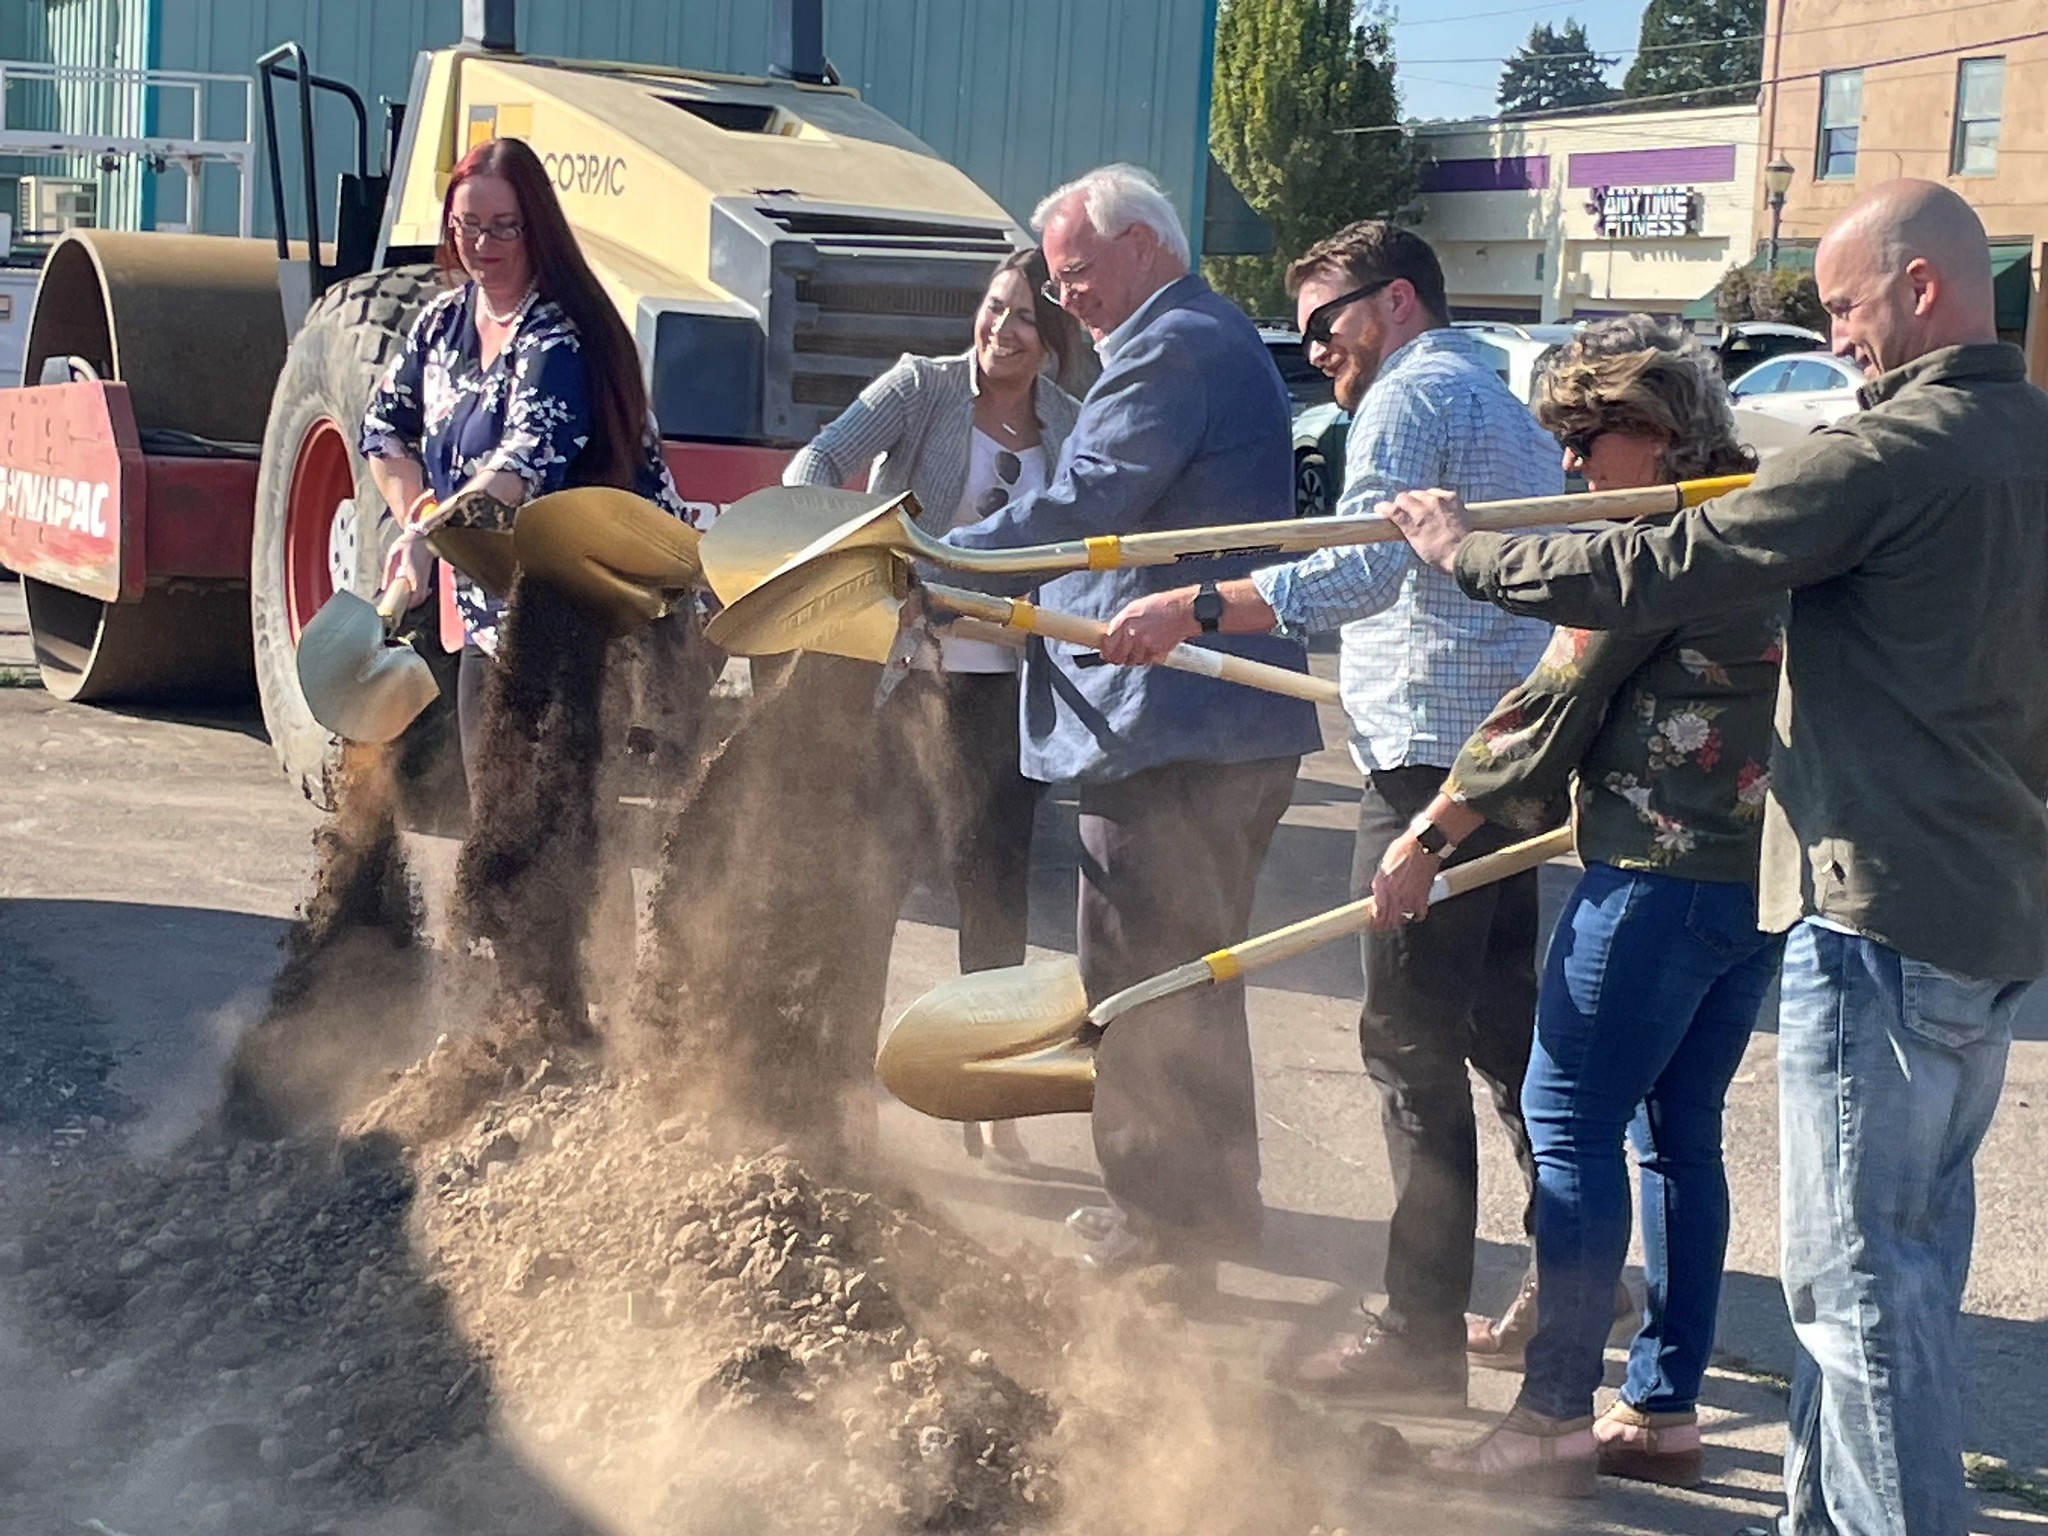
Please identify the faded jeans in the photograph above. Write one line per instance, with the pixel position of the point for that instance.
(1889, 1070)
(1650, 991)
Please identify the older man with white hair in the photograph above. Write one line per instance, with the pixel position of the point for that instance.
(1182, 779)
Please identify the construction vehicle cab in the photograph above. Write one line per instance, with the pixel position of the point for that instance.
(772, 243)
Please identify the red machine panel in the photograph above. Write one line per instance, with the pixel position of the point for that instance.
(72, 488)
(712, 476)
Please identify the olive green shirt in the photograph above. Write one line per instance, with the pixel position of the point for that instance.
(1669, 736)
(1909, 775)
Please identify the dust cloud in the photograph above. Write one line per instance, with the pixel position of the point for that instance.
(655, 1282)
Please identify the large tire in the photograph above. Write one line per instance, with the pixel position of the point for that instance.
(320, 525)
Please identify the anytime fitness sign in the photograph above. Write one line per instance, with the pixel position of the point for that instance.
(1645, 213)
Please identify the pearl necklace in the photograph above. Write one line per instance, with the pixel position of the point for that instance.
(483, 303)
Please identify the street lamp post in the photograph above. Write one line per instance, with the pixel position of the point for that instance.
(1777, 182)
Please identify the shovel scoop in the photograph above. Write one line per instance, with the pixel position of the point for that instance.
(619, 556)
(1006, 1044)
(357, 683)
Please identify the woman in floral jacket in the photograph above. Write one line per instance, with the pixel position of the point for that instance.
(517, 380)
(1656, 970)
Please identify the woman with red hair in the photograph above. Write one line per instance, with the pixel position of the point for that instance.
(519, 380)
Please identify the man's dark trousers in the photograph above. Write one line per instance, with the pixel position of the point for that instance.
(1170, 862)
(1457, 987)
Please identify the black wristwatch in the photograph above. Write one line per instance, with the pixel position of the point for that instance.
(1431, 838)
(1208, 607)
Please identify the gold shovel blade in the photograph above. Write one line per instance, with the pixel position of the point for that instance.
(618, 555)
(355, 684)
(763, 533)
(994, 1045)
(843, 603)
(484, 555)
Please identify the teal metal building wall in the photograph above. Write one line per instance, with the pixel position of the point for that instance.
(1021, 94)
(112, 33)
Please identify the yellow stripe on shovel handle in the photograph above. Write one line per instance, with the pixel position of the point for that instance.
(1105, 550)
(1022, 616)
(1223, 965)
(1692, 492)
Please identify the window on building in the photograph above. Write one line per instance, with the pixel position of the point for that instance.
(1841, 110)
(1980, 104)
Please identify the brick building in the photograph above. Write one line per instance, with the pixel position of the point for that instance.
(1860, 91)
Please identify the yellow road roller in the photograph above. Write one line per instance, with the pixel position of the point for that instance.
(179, 486)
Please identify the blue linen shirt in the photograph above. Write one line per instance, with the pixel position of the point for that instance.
(1422, 664)
(1187, 427)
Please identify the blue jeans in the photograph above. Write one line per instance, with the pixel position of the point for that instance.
(1649, 993)
(1888, 1073)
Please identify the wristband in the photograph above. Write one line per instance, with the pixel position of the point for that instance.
(415, 515)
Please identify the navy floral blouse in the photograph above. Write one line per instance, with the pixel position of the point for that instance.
(528, 414)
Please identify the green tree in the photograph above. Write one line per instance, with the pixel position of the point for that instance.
(1710, 50)
(1556, 68)
(1290, 74)
(1785, 295)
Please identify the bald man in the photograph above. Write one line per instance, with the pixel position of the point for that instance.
(1905, 837)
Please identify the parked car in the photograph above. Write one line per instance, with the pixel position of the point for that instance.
(1779, 402)
(1519, 353)
(1318, 423)
(1746, 343)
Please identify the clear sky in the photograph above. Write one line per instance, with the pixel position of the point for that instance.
(1448, 53)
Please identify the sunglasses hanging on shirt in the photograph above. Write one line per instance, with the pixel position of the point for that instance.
(996, 497)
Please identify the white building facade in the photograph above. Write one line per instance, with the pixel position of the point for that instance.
(1589, 214)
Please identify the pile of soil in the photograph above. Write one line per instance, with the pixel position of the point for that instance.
(267, 1336)
(57, 1100)
(590, 1312)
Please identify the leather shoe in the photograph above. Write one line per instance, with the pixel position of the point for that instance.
(1384, 1366)
(1500, 1343)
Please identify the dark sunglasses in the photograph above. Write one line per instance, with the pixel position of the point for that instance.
(1316, 332)
(1580, 444)
(996, 497)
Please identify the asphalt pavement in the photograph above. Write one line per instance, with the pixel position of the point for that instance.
(148, 863)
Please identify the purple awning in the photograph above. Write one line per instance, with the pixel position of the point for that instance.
(1694, 165)
(1519, 173)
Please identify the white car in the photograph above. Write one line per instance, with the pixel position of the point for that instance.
(1779, 402)
(1520, 353)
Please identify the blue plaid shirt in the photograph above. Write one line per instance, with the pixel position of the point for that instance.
(1422, 663)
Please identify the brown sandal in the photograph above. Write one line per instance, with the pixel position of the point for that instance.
(1557, 1457)
(1661, 1448)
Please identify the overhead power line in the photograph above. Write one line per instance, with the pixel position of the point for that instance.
(1594, 53)
(1823, 26)
(1734, 85)
(1444, 21)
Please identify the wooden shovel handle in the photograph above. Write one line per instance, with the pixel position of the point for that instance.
(1309, 933)
(395, 599)
(1029, 618)
(1299, 535)
(1313, 932)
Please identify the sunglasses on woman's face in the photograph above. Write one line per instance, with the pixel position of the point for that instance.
(1323, 318)
(1580, 444)
(997, 497)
